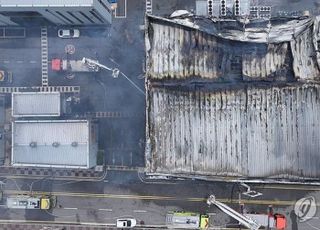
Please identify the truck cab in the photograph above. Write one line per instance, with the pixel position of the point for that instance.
(5, 76)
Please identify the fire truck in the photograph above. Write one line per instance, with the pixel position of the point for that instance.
(251, 221)
(73, 66)
(187, 220)
(29, 202)
(5, 76)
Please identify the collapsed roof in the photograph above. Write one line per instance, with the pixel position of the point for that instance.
(198, 126)
(201, 48)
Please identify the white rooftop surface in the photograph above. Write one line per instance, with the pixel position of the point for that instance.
(36, 104)
(45, 3)
(43, 134)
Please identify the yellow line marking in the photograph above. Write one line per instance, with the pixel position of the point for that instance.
(150, 197)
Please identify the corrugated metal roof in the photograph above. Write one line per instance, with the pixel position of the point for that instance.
(176, 51)
(304, 50)
(36, 104)
(49, 143)
(44, 3)
(250, 132)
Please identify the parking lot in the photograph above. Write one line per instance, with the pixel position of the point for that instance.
(119, 103)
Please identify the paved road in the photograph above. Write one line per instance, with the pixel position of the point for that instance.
(124, 194)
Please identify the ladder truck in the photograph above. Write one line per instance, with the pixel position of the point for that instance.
(251, 221)
(246, 221)
(115, 71)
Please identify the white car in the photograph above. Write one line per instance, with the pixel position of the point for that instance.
(126, 223)
(68, 33)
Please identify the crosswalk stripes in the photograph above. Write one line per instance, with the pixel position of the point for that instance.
(61, 89)
(149, 6)
(44, 56)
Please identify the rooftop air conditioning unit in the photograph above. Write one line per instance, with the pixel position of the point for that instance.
(33, 144)
(210, 7)
(223, 8)
(237, 8)
(55, 144)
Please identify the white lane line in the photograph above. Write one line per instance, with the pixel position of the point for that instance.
(105, 181)
(71, 208)
(139, 211)
(105, 209)
(19, 61)
(33, 62)
(6, 61)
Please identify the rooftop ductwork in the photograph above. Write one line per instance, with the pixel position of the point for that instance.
(33, 144)
(55, 144)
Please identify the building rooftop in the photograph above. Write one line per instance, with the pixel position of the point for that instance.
(200, 48)
(222, 105)
(251, 132)
(45, 3)
(57, 143)
(36, 104)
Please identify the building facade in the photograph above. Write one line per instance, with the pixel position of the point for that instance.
(60, 12)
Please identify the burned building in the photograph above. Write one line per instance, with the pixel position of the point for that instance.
(226, 98)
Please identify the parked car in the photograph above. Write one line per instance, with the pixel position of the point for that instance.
(68, 33)
(126, 223)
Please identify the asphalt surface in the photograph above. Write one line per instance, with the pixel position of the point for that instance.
(127, 193)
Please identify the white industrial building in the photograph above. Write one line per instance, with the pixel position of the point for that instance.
(36, 104)
(60, 12)
(54, 143)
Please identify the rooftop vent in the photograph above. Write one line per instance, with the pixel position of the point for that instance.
(74, 144)
(223, 8)
(210, 7)
(55, 144)
(237, 7)
(33, 144)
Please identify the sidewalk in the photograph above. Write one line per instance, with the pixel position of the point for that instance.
(57, 173)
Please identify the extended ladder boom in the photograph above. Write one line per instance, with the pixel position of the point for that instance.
(90, 62)
(249, 223)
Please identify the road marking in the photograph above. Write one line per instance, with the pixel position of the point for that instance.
(70, 208)
(105, 181)
(57, 222)
(89, 224)
(6, 61)
(163, 198)
(19, 61)
(32, 61)
(140, 211)
(105, 209)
